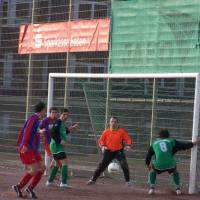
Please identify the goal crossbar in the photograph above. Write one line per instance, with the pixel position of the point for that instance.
(115, 76)
(195, 128)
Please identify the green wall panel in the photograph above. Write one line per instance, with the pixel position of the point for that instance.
(155, 36)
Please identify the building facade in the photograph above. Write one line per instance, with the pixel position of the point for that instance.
(23, 78)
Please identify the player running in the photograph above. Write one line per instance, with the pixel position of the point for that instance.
(28, 143)
(164, 148)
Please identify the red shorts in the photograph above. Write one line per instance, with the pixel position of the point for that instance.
(30, 157)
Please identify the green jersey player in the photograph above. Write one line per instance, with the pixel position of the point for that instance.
(164, 149)
(58, 138)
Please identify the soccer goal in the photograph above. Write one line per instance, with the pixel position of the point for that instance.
(143, 103)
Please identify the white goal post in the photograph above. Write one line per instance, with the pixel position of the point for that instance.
(195, 128)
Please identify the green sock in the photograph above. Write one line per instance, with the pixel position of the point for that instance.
(64, 171)
(152, 178)
(53, 174)
(176, 179)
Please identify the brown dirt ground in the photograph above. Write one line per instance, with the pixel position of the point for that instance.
(104, 189)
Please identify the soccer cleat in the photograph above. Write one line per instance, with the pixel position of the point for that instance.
(31, 193)
(49, 183)
(151, 191)
(65, 185)
(129, 183)
(18, 191)
(178, 192)
(90, 182)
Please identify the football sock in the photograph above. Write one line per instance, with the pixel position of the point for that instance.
(64, 171)
(24, 180)
(152, 178)
(52, 164)
(53, 174)
(36, 179)
(176, 179)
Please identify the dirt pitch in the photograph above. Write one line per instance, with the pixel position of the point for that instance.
(104, 189)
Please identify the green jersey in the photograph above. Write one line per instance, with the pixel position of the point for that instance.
(55, 147)
(163, 149)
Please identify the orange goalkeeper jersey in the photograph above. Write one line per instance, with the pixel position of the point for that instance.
(113, 140)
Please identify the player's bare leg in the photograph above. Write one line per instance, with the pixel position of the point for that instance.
(30, 171)
(39, 169)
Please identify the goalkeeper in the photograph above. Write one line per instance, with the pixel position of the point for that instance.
(111, 143)
(164, 148)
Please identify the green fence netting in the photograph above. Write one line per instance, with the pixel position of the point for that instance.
(155, 36)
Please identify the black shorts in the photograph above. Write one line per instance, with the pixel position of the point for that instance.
(171, 170)
(59, 156)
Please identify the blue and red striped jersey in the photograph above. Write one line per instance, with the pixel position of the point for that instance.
(29, 135)
(47, 124)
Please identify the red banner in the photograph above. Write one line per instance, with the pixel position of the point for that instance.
(76, 36)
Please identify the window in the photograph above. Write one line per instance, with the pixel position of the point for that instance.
(97, 69)
(13, 71)
(82, 69)
(100, 11)
(5, 12)
(19, 74)
(23, 12)
(9, 39)
(168, 83)
(59, 10)
(92, 57)
(85, 11)
(41, 11)
(16, 12)
(1, 72)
